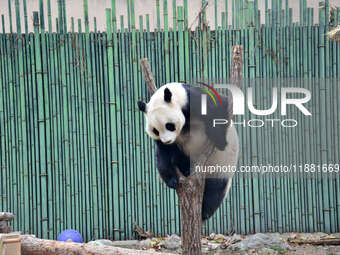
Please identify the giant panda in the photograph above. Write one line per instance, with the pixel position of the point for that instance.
(174, 120)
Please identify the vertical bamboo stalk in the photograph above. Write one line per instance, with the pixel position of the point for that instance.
(181, 43)
(158, 15)
(49, 16)
(166, 41)
(64, 15)
(226, 13)
(186, 14)
(10, 16)
(25, 16)
(60, 17)
(86, 17)
(204, 43)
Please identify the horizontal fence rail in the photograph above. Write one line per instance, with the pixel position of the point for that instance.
(73, 152)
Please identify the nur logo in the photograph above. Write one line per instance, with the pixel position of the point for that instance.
(239, 99)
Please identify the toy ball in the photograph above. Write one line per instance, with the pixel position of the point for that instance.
(70, 235)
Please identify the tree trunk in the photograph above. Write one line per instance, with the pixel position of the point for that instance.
(190, 195)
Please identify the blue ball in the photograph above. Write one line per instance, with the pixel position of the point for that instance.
(70, 234)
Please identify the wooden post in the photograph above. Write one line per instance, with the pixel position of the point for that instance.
(235, 72)
(236, 65)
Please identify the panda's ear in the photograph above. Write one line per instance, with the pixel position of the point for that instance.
(167, 95)
(142, 106)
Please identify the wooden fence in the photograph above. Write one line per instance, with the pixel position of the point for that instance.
(73, 152)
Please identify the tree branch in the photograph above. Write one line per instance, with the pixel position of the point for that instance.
(149, 80)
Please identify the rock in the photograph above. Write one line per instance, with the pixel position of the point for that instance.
(145, 243)
(267, 251)
(132, 244)
(212, 236)
(236, 238)
(204, 241)
(213, 246)
(101, 242)
(274, 235)
(205, 250)
(285, 236)
(337, 235)
(172, 243)
(319, 235)
(220, 237)
(258, 241)
(6, 216)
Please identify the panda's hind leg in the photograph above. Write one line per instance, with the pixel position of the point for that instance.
(214, 193)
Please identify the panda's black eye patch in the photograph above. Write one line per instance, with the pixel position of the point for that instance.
(155, 131)
(170, 126)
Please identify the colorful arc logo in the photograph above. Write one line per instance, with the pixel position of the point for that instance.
(209, 93)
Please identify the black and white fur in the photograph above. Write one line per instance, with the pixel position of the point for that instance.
(174, 121)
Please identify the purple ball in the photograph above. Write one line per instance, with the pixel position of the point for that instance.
(70, 234)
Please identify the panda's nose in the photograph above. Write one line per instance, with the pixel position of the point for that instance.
(167, 142)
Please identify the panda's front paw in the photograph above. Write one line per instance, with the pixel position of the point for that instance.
(172, 183)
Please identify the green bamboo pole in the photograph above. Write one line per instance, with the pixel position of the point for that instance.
(215, 14)
(45, 93)
(25, 16)
(158, 15)
(223, 47)
(20, 111)
(3, 24)
(51, 84)
(40, 171)
(79, 26)
(266, 14)
(72, 26)
(166, 41)
(174, 24)
(112, 109)
(64, 15)
(174, 15)
(204, 44)
(74, 145)
(49, 16)
(233, 13)
(125, 117)
(181, 43)
(89, 120)
(256, 14)
(10, 16)
(186, 43)
(60, 17)
(69, 180)
(226, 13)
(86, 17)
(144, 181)
(118, 109)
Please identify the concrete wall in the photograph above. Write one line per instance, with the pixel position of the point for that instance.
(74, 8)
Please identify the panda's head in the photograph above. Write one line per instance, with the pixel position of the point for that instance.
(163, 114)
